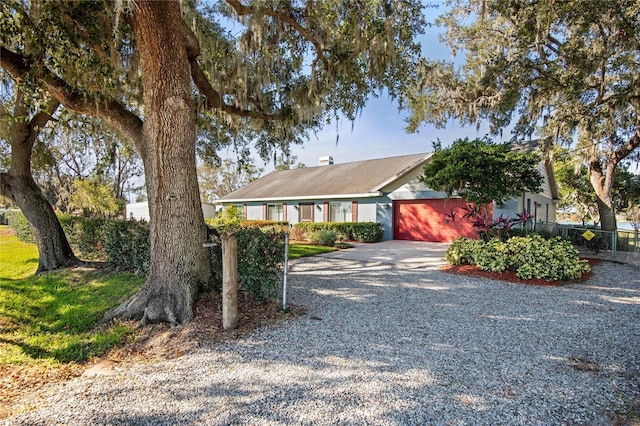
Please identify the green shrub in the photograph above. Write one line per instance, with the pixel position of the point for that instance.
(552, 259)
(531, 257)
(323, 237)
(492, 256)
(86, 235)
(461, 251)
(364, 232)
(21, 228)
(281, 226)
(127, 245)
(260, 259)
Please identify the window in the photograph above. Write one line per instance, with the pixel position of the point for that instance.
(340, 212)
(274, 212)
(306, 212)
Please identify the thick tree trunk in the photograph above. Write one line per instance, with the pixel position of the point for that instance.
(180, 266)
(53, 246)
(18, 185)
(603, 184)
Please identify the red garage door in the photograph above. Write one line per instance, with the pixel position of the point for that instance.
(426, 220)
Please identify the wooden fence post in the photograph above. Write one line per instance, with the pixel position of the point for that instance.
(229, 283)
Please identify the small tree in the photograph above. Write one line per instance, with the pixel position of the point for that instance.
(481, 172)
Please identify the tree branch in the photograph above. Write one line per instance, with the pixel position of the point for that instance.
(112, 112)
(214, 98)
(243, 10)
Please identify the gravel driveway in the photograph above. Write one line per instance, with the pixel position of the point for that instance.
(383, 345)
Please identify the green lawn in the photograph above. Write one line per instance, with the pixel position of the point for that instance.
(303, 250)
(52, 318)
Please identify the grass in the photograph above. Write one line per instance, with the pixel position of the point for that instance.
(52, 318)
(297, 250)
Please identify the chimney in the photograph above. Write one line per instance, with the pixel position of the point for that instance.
(325, 161)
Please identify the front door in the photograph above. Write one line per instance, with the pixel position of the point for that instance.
(305, 211)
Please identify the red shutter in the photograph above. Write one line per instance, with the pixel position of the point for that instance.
(354, 211)
(264, 211)
(284, 212)
(325, 212)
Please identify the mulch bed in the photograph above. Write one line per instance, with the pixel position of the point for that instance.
(510, 276)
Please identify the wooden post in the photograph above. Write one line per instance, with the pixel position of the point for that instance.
(229, 283)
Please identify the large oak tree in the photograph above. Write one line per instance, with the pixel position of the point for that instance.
(565, 69)
(288, 67)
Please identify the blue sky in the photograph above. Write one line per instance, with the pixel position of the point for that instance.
(379, 130)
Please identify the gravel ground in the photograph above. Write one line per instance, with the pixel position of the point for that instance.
(387, 346)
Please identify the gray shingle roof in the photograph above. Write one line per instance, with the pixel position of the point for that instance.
(355, 178)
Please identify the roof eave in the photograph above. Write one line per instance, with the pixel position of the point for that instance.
(371, 194)
(402, 172)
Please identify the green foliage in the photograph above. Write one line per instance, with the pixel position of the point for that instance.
(481, 172)
(562, 71)
(282, 226)
(95, 198)
(533, 256)
(86, 235)
(228, 221)
(217, 180)
(364, 232)
(462, 250)
(323, 237)
(260, 259)
(127, 245)
(51, 318)
(21, 228)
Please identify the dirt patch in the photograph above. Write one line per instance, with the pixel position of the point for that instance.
(147, 344)
(5, 231)
(510, 276)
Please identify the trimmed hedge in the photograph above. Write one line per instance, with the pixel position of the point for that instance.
(363, 232)
(125, 245)
(530, 257)
(260, 258)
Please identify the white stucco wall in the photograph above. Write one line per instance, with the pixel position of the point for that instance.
(140, 211)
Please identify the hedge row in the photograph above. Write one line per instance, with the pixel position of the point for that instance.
(364, 232)
(122, 244)
(530, 257)
(125, 245)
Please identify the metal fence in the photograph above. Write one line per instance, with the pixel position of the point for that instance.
(620, 245)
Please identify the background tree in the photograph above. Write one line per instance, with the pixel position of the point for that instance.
(566, 69)
(482, 172)
(291, 67)
(217, 181)
(21, 123)
(288, 161)
(577, 194)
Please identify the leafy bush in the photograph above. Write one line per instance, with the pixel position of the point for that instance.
(461, 251)
(260, 259)
(127, 245)
(530, 257)
(269, 224)
(493, 256)
(364, 232)
(86, 235)
(553, 260)
(323, 237)
(21, 228)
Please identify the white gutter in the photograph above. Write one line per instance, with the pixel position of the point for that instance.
(300, 198)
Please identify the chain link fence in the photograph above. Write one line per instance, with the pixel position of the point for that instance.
(620, 245)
